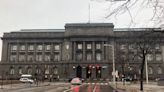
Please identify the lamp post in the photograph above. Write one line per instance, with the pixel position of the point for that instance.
(113, 72)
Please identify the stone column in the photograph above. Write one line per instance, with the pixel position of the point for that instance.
(84, 51)
(74, 51)
(93, 51)
(102, 49)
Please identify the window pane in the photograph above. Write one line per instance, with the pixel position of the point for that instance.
(48, 47)
(31, 47)
(159, 70)
(89, 46)
(21, 58)
(150, 70)
(47, 57)
(13, 47)
(149, 57)
(39, 47)
(79, 56)
(22, 47)
(89, 56)
(98, 56)
(20, 71)
(56, 57)
(29, 71)
(98, 46)
(157, 46)
(57, 47)
(79, 46)
(30, 58)
(123, 47)
(13, 58)
(39, 58)
(158, 57)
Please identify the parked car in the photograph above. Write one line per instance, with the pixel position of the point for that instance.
(128, 79)
(26, 80)
(76, 81)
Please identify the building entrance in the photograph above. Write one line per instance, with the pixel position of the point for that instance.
(78, 71)
(89, 71)
(98, 71)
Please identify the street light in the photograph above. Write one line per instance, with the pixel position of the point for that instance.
(113, 72)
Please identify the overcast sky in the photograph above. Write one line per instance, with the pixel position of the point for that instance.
(53, 14)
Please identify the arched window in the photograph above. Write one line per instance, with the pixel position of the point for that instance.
(150, 70)
(12, 71)
(47, 71)
(38, 71)
(29, 70)
(20, 70)
(159, 70)
(55, 70)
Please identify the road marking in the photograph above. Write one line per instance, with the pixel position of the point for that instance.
(94, 90)
(72, 88)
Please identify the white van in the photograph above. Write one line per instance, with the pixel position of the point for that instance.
(26, 78)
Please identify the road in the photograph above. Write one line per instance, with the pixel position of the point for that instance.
(59, 87)
(91, 87)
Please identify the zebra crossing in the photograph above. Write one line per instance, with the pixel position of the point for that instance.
(97, 83)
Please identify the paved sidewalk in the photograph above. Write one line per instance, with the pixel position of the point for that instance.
(135, 87)
(27, 85)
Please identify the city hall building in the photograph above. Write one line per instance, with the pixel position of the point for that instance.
(85, 50)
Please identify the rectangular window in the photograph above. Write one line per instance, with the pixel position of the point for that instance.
(14, 47)
(98, 56)
(39, 47)
(149, 57)
(13, 58)
(79, 46)
(48, 47)
(89, 46)
(157, 47)
(89, 56)
(57, 47)
(56, 57)
(22, 47)
(21, 58)
(31, 47)
(39, 58)
(158, 57)
(98, 46)
(30, 58)
(47, 58)
(79, 56)
(122, 47)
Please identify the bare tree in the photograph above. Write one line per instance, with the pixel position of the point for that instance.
(134, 7)
(144, 44)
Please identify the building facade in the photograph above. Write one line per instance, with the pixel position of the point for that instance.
(85, 50)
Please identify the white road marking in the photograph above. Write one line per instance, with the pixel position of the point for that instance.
(94, 90)
(72, 88)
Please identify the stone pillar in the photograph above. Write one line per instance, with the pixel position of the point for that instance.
(74, 51)
(102, 49)
(93, 51)
(84, 51)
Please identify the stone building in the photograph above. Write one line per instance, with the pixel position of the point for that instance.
(82, 50)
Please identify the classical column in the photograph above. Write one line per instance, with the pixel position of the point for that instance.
(74, 51)
(84, 51)
(93, 51)
(102, 49)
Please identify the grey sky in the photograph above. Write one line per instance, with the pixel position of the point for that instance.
(50, 14)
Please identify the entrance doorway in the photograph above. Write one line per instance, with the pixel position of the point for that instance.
(98, 71)
(78, 71)
(89, 71)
